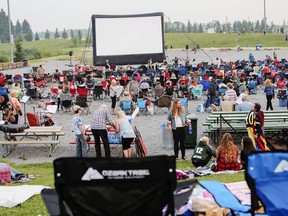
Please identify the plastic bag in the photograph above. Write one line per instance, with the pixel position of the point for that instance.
(200, 108)
(163, 126)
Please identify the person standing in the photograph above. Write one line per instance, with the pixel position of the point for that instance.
(177, 119)
(40, 72)
(126, 131)
(101, 118)
(113, 96)
(270, 93)
(255, 127)
(212, 91)
(79, 131)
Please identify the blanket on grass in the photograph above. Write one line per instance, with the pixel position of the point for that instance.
(200, 195)
(11, 196)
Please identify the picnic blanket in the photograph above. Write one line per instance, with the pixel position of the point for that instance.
(11, 196)
(200, 198)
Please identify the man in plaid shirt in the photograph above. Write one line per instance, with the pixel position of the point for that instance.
(101, 118)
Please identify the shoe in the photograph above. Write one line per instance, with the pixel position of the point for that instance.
(184, 158)
(177, 159)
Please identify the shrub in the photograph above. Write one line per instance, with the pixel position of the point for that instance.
(33, 53)
(3, 59)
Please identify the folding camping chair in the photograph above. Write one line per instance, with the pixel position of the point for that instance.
(163, 103)
(83, 102)
(126, 106)
(141, 103)
(196, 91)
(33, 119)
(269, 174)
(113, 186)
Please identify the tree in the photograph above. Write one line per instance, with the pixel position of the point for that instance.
(25, 26)
(29, 36)
(18, 55)
(71, 34)
(257, 26)
(79, 36)
(183, 28)
(37, 36)
(64, 34)
(18, 28)
(195, 28)
(201, 29)
(56, 35)
(4, 27)
(47, 34)
(189, 26)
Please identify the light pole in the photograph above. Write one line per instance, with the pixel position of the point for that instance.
(265, 18)
(10, 34)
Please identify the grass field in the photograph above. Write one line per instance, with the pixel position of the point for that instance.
(44, 172)
(179, 40)
(59, 47)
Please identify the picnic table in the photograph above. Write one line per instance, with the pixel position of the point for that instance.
(276, 123)
(48, 136)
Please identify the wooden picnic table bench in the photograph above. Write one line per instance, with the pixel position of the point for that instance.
(234, 122)
(36, 133)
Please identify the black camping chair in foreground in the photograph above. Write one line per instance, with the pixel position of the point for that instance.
(114, 186)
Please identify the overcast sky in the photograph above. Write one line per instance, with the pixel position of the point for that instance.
(76, 14)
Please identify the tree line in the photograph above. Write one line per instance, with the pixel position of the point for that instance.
(22, 31)
(228, 27)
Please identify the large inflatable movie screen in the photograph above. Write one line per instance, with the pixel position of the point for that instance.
(128, 39)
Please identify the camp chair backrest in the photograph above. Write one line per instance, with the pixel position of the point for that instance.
(184, 101)
(141, 103)
(269, 171)
(82, 91)
(116, 186)
(126, 105)
(32, 119)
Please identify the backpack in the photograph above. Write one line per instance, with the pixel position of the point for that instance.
(5, 173)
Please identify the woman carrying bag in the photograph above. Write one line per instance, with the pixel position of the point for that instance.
(177, 119)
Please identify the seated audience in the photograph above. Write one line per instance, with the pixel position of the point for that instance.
(227, 155)
(203, 152)
(226, 105)
(246, 105)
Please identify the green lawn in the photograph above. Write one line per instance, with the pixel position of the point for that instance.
(60, 48)
(44, 172)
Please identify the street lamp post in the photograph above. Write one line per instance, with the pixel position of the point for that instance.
(10, 34)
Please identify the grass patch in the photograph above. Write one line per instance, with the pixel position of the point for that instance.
(45, 176)
(60, 47)
(205, 40)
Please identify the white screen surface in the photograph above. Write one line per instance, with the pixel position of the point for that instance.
(128, 35)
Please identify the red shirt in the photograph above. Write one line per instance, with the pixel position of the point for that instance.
(221, 165)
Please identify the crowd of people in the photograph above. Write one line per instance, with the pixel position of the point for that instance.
(239, 79)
